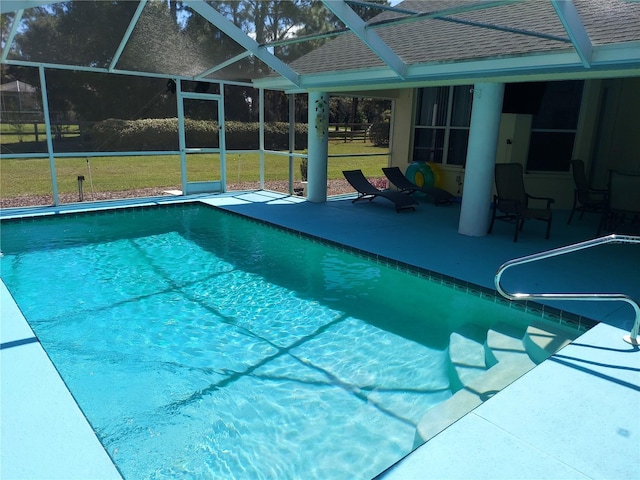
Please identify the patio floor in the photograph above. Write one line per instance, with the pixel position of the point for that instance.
(573, 416)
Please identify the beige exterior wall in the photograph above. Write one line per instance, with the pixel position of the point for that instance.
(401, 141)
(608, 137)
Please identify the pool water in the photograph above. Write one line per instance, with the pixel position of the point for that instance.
(203, 345)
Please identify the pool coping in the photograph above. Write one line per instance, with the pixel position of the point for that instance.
(44, 433)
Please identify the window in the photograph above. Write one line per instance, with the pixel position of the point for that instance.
(553, 127)
(443, 116)
(441, 133)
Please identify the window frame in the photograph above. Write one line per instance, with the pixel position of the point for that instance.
(447, 128)
(441, 151)
(575, 103)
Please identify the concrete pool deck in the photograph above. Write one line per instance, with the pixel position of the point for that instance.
(576, 415)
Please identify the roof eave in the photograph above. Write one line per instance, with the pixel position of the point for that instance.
(612, 60)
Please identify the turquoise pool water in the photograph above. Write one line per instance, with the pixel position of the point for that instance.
(202, 345)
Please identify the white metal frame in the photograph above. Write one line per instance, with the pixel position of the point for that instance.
(199, 187)
(632, 338)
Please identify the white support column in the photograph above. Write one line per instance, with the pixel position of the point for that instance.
(318, 146)
(481, 158)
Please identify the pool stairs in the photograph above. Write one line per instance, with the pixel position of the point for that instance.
(483, 362)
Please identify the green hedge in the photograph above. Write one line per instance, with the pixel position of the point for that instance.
(379, 134)
(162, 134)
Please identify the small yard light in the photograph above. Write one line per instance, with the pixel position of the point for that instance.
(80, 189)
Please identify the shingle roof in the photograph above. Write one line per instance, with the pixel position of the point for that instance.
(432, 40)
(610, 21)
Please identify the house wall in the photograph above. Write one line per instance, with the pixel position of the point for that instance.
(607, 137)
(401, 141)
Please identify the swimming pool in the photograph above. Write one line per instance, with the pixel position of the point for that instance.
(201, 344)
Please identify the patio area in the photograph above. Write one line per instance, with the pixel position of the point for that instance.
(573, 416)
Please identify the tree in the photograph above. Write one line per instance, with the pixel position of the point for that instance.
(76, 33)
(169, 38)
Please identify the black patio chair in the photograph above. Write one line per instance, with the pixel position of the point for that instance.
(512, 201)
(585, 199)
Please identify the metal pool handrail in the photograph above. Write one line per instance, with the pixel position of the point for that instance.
(632, 338)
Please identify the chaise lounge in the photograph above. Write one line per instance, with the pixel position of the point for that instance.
(397, 178)
(367, 191)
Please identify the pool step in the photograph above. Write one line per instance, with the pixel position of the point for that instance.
(505, 344)
(542, 341)
(467, 355)
(483, 363)
(464, 401)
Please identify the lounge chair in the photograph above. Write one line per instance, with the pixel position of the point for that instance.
(367, 191)
(585, 199)
(513, 201)
(397, 178)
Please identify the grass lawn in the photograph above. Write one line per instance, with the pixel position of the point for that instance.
(29, 176)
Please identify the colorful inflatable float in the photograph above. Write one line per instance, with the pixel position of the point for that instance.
(428, 176)
(424, 174)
